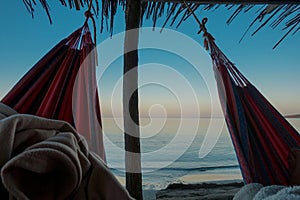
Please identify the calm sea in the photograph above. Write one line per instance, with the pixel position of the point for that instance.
(174, 148)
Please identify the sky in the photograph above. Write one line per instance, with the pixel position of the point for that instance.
(175, 75)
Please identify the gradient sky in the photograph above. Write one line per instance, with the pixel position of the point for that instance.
(275, 72)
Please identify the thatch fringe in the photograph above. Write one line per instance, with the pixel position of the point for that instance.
(77, 4)
(273, 15)
(287, 15)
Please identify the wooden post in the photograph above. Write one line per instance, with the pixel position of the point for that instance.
(130, 101)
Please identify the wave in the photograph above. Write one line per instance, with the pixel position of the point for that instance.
(202, 169)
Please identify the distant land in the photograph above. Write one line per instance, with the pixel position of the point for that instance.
(293, 116)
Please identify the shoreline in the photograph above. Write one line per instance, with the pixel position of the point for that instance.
(211, 178)
(207, 186)
(217, 190)
(196, 186)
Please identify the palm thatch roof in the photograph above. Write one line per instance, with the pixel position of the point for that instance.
(269, 12)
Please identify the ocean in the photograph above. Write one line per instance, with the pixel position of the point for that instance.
(177, 150)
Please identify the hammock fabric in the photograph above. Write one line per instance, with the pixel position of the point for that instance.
(261, 136)
(64, 79)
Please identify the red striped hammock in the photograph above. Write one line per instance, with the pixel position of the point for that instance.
(261, 136)
(62, 85)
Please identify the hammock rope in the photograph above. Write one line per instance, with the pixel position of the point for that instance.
(262, 138)
(89, 15)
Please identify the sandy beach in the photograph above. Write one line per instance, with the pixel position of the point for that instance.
(208, 191)
(199, 186)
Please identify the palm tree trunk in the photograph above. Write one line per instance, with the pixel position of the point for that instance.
(130, 101)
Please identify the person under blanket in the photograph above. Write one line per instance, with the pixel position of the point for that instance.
(47, 159)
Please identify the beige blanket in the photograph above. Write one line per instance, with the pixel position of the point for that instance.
(47, 159)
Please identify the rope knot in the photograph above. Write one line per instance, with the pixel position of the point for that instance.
(202, 26)
(88, 14)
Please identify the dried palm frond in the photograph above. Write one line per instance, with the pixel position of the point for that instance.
(30, 4)
(173, 11)
(273, 15)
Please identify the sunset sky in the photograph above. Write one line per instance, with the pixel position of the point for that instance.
(171, 84)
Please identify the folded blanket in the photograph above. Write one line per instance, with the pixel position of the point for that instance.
(256, 191)
(47, 159)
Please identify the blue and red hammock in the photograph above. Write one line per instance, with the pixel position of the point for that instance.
(261, 136)
(62, 85)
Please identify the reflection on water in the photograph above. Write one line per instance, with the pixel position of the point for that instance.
(163, 165)
(295, 122)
